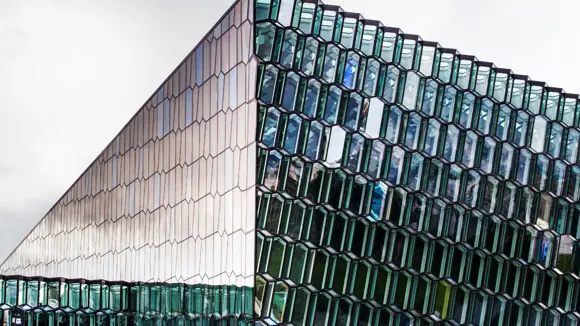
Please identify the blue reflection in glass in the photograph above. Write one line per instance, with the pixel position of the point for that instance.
(350, 73)
(430, 97)
(448, 103)
(268, 85)
(572, 146)
(292, 134)
(271, 127)
(313, 141)
(199, 65)
(311, 99)
(544, 244)
(290, 92)
(160, 95)
(485, 116)
(378, 201)
(390, 88)
(288, 49)
(332, 104)
(352, 112)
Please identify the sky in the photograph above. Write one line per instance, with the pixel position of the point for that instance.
(72, 73)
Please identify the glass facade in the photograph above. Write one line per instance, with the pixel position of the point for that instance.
(168, 206)
(307, 166)
(172, 198)
(402, 183)
(44, 301)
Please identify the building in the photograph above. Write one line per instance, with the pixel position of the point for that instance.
(306, 166)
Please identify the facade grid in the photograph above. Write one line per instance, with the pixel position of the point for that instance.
(307, 166)
(167, 209)
(402, 183)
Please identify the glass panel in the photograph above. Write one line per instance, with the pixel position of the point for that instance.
(336, 145)
(391, 84)
(539, 134)
(288, 49)
(351, 70)
(411, 90)
(374, 118)
(290, 89)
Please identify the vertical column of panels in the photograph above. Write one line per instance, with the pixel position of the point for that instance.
(402, 182)
(171, 199)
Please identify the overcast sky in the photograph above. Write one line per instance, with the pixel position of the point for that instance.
(72, 72)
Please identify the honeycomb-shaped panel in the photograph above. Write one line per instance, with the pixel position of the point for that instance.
(402, 183)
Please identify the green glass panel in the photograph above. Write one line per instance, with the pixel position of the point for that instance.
(442, 299)
(33, 295)
(279, 302)
(265, 34)
(21, 292)
(299, 313)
